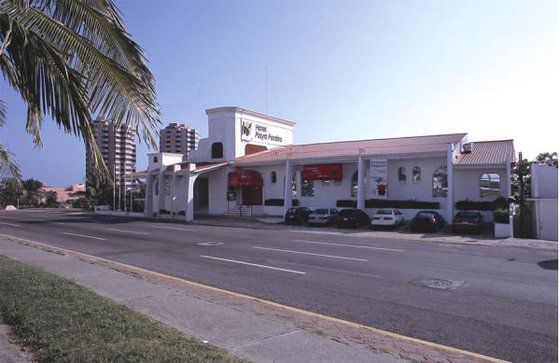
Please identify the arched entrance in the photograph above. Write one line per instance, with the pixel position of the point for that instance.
(249, 183)
(200, 195)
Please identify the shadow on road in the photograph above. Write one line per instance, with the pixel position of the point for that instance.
(549, 264)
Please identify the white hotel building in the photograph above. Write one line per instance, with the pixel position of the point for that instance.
(249, 165)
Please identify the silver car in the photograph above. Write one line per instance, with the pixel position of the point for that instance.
(323, 216)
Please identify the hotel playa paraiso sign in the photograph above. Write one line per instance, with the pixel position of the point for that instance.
(378, 172)
(252, 131)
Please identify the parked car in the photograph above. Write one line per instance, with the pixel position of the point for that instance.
(297, 215)
(427, 220)
(352, 217)
(324, 216)
(387, 217)
(468, 221)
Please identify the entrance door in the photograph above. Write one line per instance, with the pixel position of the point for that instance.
(251, 195)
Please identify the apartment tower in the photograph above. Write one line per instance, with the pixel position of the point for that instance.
(179, 139)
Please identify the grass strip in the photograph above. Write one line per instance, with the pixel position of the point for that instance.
(61, 321)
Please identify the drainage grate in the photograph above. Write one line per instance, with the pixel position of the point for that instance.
(440, 284)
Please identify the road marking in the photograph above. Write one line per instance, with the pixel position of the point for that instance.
(363, 274)
(254, 265)
(311, 254)
(126, 231)
(84, 235)
(264, 301)
(347, 245)
(10, 224)
(173, 228)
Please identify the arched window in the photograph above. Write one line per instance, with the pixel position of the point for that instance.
(273, 177)
(490, 185)
(402, 174)
(416, 174)
(354, 185)
(439, 182)
(217, 150)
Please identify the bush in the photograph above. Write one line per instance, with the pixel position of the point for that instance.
(388, 203)
(346, 203)
(181, 213)
(501, 216)
(164, 211)
(80, 203)
(498, 203)
(279, 202)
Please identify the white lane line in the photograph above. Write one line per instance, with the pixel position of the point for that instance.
(254, 264)
(311, 254)
(363, 274)
(10, 224)
(126, 231)
(347, 245)
(173, 228)
(84, 235)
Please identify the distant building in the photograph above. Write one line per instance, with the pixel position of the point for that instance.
(118, 150)
(64, 195)
(178, 139)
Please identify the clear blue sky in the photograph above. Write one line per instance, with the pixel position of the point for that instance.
(340, 69)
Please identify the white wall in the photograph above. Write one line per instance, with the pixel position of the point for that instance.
(467, 183)
(546, 213)
(422, 190)
(544, 181)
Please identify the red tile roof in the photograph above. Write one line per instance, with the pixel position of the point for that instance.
(489, 152)
(390, 146)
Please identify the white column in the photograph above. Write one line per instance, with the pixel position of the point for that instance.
(287, 186)
(161, 193)
(361, 200)
(450, 188)
(189, 208)
(148, 203)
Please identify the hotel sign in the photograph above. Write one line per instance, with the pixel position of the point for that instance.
(256, 131)
(322, 171)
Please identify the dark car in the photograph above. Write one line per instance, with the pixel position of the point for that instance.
(468, 222)
(427, 220)
(297, 215)
(353, 218)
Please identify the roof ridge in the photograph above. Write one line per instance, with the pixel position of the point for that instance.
(486, 141)
(384, 138)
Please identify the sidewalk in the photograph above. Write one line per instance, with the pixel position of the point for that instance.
(10, 352)
(255, 329)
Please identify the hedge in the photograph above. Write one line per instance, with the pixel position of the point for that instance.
(389, 203)
(501, 216)
(498, 203)
(279, 202)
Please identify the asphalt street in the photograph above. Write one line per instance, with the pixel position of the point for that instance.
(497, 301)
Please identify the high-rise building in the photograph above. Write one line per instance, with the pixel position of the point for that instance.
(118, 150)
(179, 139)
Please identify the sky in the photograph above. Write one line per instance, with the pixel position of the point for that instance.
(342, 70)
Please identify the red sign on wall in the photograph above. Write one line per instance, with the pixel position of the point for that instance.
(322, 171)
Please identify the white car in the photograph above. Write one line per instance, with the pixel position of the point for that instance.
(387, 217)
(324, 216)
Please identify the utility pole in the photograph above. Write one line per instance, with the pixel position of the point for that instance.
(114, 185)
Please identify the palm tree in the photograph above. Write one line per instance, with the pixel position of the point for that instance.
(72, 60)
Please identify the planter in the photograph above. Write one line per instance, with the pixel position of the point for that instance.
(502, 230)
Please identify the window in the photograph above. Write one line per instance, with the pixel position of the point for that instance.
(294, 185)
(402, 174)
(273, 177)
(416, 174)
(217, 150)
(307, 187)
(354, 185)
(490, 185)
(155, 159)
(439, 182)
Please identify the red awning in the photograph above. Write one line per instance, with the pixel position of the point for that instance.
(244, 177)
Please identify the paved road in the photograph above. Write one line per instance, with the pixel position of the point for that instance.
(501, 301)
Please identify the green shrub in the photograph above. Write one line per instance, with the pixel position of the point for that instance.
(80, 203)
(501, 216)
(498, 203)
(279, 202)
(401, 204)
(346, 203)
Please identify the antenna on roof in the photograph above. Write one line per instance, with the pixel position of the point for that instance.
(265, 90)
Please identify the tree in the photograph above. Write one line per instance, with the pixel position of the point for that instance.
(547, 159)
(98, 191)
(71, 60)
(32, 189)
(521, 180)
(51, 199)
(10, 190)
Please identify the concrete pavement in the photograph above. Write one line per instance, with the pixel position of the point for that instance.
(261, 333)
(500, 302)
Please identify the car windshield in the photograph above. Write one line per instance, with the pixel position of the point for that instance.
(347, 213)
(321, 211)
(384, 212)
(424, 215)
